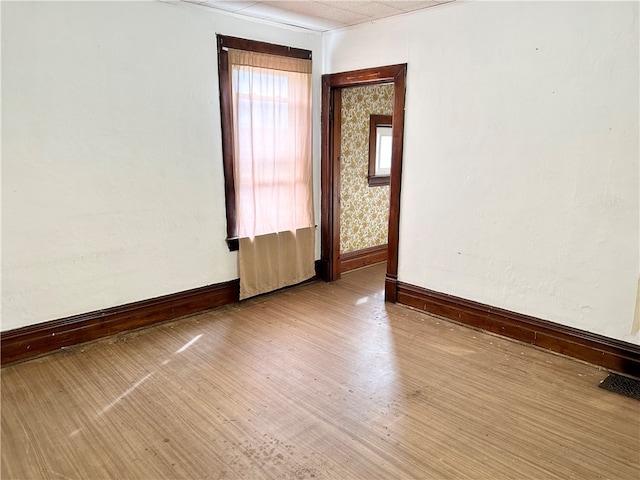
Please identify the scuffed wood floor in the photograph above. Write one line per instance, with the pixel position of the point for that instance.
(322, 381)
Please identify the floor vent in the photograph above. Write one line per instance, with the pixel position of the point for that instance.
(627, 386)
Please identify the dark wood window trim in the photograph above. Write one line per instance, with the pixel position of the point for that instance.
(374, 122)
(224, 43)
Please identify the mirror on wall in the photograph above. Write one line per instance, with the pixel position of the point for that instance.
(380, 129)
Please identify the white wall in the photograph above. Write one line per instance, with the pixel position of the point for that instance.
(520, 182)
(112, 184)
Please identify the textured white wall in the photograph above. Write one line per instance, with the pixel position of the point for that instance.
(520, 182)
(112, 184)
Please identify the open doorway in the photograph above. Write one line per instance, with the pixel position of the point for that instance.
(332, 86)
(365, 163)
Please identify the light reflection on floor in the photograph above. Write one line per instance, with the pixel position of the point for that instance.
(127, 392)
(139, 382)
(189, 343)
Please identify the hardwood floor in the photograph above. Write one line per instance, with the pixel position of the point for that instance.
(322, 381)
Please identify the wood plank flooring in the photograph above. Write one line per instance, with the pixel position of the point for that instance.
(322, 381)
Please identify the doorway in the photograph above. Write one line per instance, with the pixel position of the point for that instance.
(365, 160)
(332, 84)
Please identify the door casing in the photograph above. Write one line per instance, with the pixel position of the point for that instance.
(330, 167)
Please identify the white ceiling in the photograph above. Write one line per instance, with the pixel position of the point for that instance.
(319, 15)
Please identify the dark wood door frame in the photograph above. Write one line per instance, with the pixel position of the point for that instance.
(330, 167)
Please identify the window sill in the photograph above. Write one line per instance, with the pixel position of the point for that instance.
(375, 181)
(233, 243)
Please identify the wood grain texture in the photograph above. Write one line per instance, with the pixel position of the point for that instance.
(237, 43)
(399, 86)
(224, 90)
(322, 381)
(607, 352)
(327, 187)
(336, 157)
(362, 258)
(46, 337)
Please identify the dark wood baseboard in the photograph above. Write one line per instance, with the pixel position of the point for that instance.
(390, 288)
(34, 340)
(612, 354)
(362, 258)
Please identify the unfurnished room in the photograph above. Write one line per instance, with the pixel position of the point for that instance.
(320, 239)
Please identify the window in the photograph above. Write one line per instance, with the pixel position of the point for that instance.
(265, 99)
(380, 131)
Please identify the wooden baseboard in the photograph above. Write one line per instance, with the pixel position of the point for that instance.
(612, 354)
(362, 258)
(34, 340)
(390, 288)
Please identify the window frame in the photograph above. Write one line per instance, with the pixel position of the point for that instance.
(225, 42)
(376, 121)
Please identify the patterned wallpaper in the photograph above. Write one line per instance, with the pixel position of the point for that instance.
(364, 210)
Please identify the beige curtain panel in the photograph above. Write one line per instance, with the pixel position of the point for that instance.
(272, 169)
(276, 260)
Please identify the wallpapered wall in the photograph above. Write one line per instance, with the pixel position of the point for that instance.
(364, 210)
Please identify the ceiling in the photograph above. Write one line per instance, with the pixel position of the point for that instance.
(319, 15)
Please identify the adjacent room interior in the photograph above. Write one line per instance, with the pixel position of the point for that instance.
(484, 278)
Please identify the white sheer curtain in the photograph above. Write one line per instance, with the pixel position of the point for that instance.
(272, 169)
